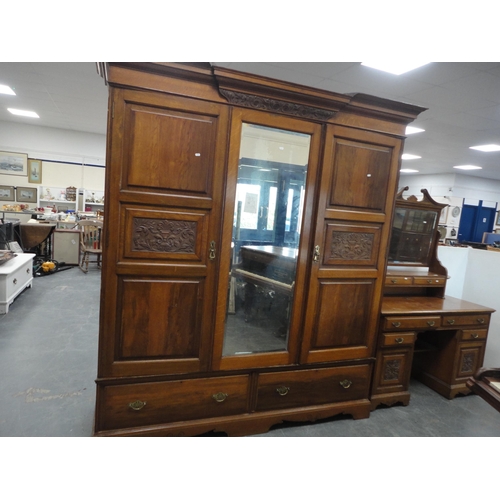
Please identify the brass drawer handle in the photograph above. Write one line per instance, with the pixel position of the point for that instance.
(346, 383)
(394, 281)
(429, 281)
(137, 405)
(28, 271)
(480, 320)
(220, 397)
(451, 321)
(396, 324)
(283, 390)
(474, 335)
(431, 323)
(399, 340)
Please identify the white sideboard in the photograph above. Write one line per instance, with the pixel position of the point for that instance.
(15, 275)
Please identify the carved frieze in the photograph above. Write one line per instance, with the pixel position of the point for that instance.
(276, 106)
(351, 246)
(163, 235)
(392, 369)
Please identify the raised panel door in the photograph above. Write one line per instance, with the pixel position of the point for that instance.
(355, 203)
(163, 228)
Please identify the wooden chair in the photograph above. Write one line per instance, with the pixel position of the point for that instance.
(90, 242)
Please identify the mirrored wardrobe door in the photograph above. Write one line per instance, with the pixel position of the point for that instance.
(271, 175)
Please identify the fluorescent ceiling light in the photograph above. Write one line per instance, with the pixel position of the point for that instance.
(4, 89)
(22, 112)
(468, 167)
(396, 68)
(487, 147)
(413, 130)
(408, 170)
(407, 156)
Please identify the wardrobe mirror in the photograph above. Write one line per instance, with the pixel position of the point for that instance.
(266, 230)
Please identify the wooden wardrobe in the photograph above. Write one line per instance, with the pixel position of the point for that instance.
(246, 235)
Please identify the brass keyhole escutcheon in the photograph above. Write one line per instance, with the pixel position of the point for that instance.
(394, 281)
(211, 254)
(137, 405)
(316, 254)
(431, 323)
(220, 397)
(451, 321)
(480, 320)
(283, 390)
(474, 335)
(399, 340)
(346, 383)
(396, 324)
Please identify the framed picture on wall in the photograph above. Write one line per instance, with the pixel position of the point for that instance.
(13, 163)
(35, 171)
(7, 193)
(26, 194)
(497, 223)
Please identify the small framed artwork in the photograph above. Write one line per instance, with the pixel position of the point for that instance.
(13, 163)
(7, 193)
(26, 194)
(497, 223)
(35, 171)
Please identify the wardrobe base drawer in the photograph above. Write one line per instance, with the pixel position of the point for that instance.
(312, 387)
(135, 405)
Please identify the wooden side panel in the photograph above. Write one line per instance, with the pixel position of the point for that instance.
(170, 149)
(337, 323)
(163, 230)
(160, 318)
(361, 175)
(355, 205)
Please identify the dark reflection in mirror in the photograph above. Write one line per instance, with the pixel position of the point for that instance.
(266, 229)
(411, 237)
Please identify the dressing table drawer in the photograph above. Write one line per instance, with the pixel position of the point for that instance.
(474, 335)
(411, 322)
(398, 280)
(427, 281)
(397, 339)
(467, 320)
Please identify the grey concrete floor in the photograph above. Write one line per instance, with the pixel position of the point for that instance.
(48, 364)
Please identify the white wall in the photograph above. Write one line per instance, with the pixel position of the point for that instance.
(460, 186)
(475, 277)
(53, 144)
(69, 158)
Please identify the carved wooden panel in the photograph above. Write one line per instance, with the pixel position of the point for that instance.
(160, 318)
(162, 234)
(360, 175)
(392, 369)
(470, 360)
(169, 149)
(343, 313)
(351, 244)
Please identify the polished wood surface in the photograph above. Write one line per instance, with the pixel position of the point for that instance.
(173, 152)
(430, 305)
